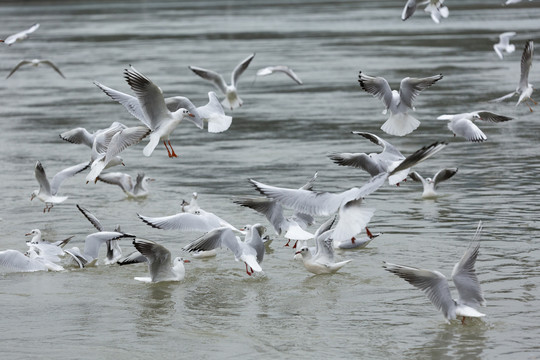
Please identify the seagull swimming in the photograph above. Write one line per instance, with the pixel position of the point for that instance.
(399, 123)
(321, 260)
(133, 189)
(232, 100)
(435, 284)
(51, 251)
(504, 44)
(36, 62)
(250, 251)
(191, 218)
(431, 184)
(20, 35)
(159, 262)
(157, 116)
(47, 192)
(524, 89)
(279, 68)
(462, 124)
(386, 161)
(16, 261)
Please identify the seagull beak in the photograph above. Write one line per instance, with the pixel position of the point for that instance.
(123, 163)
(28, 234)
(32, 197)
(190, 114)
(186, 261)
(151, 179)
(298, 252)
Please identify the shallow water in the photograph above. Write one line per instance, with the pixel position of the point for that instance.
(281, 136)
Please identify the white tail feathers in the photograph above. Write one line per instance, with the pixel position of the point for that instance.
(149, 148)
(219, 123)
(96, 169)
(400, 124)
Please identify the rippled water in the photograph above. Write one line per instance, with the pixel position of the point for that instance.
(281, 136)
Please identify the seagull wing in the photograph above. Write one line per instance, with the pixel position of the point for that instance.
(125, 181)
(270, 208)
(376, 86)
(41, 177)
(13, 260)
(52, 65)
(357, 160)
(526, 62)
(159, 257)
(432, 283)
(59, 178)
(464, 274)
(212, 240)
(90, 217)
(149, 95)
(240, 68)
(125, 138)
(21, 63)
(411, 87)
(443, 175)
(408, 10)
(131, 103)
(211, 76)
(202, 221)
(390, 151)
(492, 117)
(417, 177)
(78, 136)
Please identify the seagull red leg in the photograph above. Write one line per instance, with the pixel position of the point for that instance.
(173, 153)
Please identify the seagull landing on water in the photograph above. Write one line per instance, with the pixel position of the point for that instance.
(431, 184)
(462, 124)
(435, 284)
(399, 123)
(524, 89)
(232, 100)
(159, 262)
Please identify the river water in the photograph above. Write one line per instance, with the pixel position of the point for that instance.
(281, 136)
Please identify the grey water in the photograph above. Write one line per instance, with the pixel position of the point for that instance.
(281, 136)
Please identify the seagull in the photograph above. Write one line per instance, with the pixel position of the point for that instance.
(157, 117)
(524, 89)
(191, 218)
(430, 184)
(386, 161)
(49, 250)
(16, 261)
(94, 241)
(211, 113)
(47, 192)
(136, 190)
(435, 284)
(250, 251)
(292, 227)
(82, 136)
(159, 262)
(279, 68)
(321, 261)
(134, 257)
(462, 124)
(434, 7)
(232, 100)
(400, 122)
(36, 62)
(504, 44)
(20, 35)
(107, 154)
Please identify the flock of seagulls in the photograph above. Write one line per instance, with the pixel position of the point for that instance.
(347, 216)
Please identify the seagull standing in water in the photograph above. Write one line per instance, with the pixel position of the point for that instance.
(159, 262)
(232, 100)
(399, 123)
(524, 89)
(435, 284)
(431, 184)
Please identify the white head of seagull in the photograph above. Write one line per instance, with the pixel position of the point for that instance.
(429, 184)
